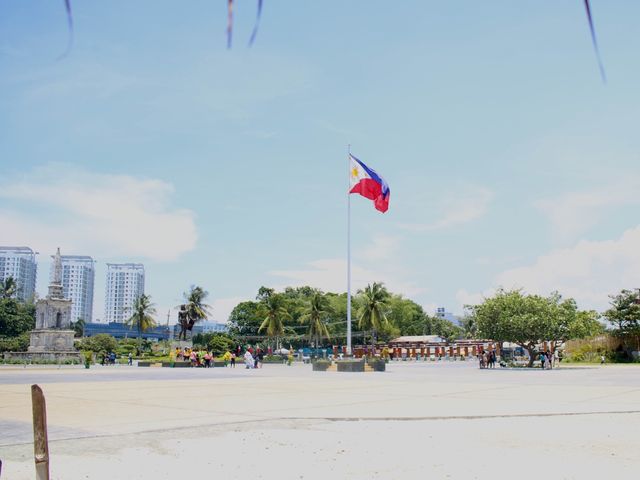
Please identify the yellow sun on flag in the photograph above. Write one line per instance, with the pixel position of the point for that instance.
(354, 172)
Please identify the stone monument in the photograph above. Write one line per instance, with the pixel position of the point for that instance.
(52, 339)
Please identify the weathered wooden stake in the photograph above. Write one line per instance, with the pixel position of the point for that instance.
(40, 439)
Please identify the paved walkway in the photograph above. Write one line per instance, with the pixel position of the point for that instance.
(289, 422)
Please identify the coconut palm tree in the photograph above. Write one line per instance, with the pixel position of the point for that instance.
(315, 312)
(193, 310)
(142, 311)
(470, 326)
(374, 303)
(8, 287)
(273, 309)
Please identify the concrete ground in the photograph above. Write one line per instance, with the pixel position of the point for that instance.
(434, 420)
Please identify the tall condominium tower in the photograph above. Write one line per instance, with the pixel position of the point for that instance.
(20, 263)
(78, 276)
(125, 283)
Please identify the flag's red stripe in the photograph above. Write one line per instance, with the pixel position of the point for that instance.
(369, 188)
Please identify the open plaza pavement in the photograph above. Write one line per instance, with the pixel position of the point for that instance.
(416, 420)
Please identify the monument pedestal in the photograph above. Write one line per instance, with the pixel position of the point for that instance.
(51, 340)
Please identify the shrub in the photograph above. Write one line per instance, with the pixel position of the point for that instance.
(103, 342)
(15, 344)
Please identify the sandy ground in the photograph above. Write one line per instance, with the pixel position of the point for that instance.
(447, 420)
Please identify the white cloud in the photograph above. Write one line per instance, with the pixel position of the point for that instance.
(575, 212)
(331, 275)
(222, 307)
(589, 271)
(96, 214)
(457, 207)
(382, 247)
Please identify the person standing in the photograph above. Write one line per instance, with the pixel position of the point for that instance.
(248, 360)
(260, 358)
(233, 360)
(130, 361)
(547, 362)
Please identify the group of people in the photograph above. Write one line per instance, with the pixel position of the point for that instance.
(253, 358)
(487, 359)
(107, 358)
(548, 360)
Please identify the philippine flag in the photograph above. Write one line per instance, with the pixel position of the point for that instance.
(369, 184)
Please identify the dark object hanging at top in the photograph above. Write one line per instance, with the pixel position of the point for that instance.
(594, 40)
(230, 23)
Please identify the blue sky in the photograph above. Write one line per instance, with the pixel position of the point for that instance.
(510, 162)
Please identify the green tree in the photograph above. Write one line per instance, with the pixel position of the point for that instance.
(528, 320)
(469, 326)
(244, 319)
(16, 317)
(100, 343)
(141, 319)
(193, 311)
(8, 288)
(78, 327)
(219, 343)
(373, 309)
(273, 310)
(624, 316)
(407, 316)
(315, 314)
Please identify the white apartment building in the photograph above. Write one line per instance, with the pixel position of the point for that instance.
(78, 277)
(20, 263)
(125, 283)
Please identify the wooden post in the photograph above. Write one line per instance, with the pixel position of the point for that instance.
(40, 440)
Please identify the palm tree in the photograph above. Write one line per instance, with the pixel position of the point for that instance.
(78, 327)
(193, 310)
(7, 287)
(470, 326)
(374, 302)
(142, 311)
(315, 311)
(273, 308)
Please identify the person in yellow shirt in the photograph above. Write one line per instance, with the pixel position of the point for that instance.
(226, 357)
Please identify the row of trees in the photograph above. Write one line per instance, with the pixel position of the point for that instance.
(192, 311)
(529, 320)
(305, 314)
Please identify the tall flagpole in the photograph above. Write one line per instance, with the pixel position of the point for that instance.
(349, 252)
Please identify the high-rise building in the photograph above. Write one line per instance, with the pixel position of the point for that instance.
(125, 283)
(20, 263)
(78, 276)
